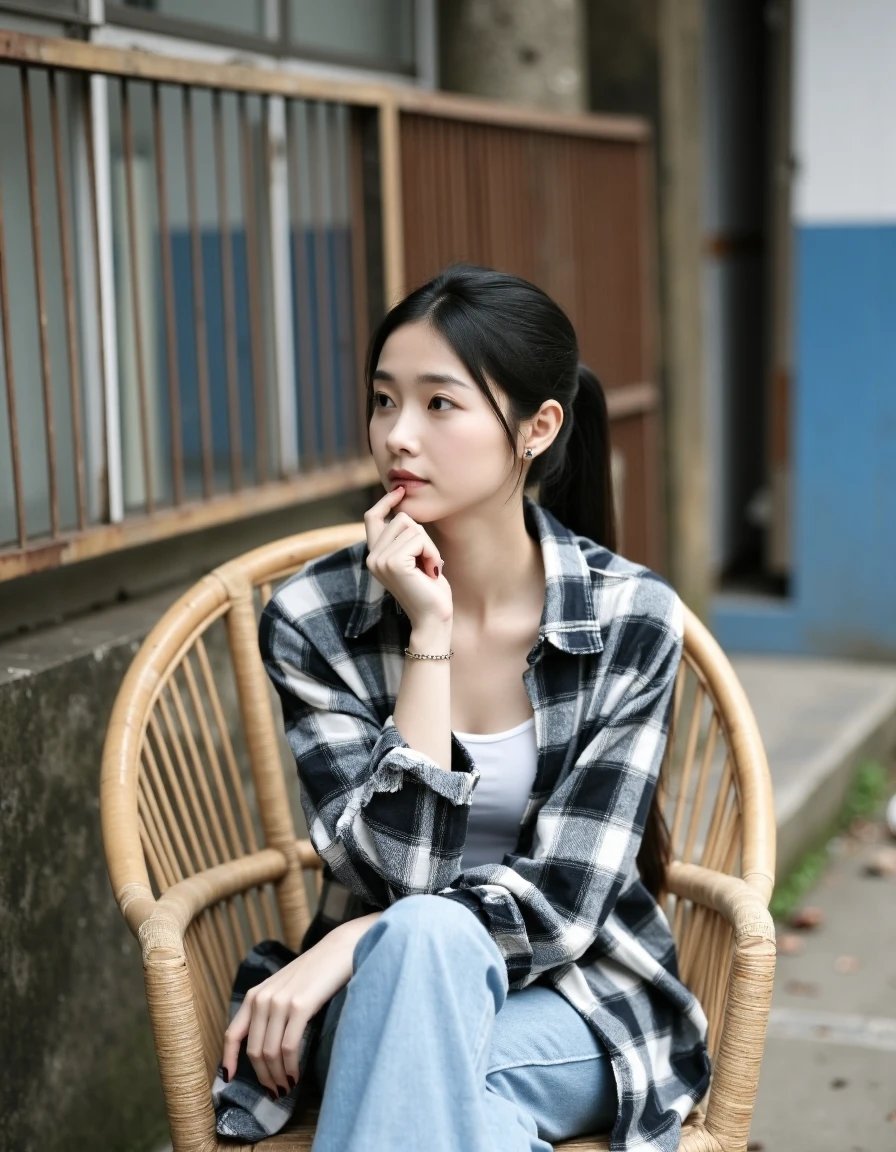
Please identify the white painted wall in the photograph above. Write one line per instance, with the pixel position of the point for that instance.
(845, 111)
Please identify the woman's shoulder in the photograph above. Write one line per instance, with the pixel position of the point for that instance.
(626, 592)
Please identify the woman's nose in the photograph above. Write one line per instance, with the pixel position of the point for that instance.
(404, 432)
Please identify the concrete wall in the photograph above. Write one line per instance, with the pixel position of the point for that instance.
(79, 1063)
(844, 418)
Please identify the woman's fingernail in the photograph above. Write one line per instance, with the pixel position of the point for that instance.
(292, 1081)
(281, 1091)
(436, 571)
(225, 1074)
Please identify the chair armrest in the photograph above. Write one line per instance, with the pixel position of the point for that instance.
(747, 1003)
(163, 923)
(179, 1022)
(731, 897)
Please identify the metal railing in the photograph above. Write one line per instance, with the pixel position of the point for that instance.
(192, 255)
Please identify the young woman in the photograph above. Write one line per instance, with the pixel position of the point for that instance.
(477, 699)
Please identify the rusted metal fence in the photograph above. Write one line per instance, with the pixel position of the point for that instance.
(192, 255)
(564, 202)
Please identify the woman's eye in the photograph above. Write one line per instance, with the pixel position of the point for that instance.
(377, 397)
(443, 400)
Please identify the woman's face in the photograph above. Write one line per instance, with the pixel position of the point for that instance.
(431, 419)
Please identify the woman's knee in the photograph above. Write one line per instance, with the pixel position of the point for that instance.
(427, 924)
(434, 918)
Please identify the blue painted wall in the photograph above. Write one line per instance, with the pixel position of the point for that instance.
(843, 593)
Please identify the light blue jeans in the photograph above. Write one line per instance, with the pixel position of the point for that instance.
(425, 1048)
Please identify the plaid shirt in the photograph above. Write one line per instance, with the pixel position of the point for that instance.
(567, 907)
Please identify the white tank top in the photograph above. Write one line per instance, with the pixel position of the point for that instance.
(507, 762)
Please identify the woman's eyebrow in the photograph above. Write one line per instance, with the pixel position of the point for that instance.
(423, 378)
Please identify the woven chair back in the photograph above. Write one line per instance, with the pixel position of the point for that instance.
(715, 790)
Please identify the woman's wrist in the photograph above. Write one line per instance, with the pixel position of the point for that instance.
(432, 637)
(349, 934)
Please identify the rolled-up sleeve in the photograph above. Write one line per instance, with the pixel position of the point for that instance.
(549, 908)
(387, 819)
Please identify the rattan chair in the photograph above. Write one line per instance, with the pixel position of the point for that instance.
(204, 859)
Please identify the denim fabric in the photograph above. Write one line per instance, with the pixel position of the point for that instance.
(426, 1048)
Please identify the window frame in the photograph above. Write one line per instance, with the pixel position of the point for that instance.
(279, 45)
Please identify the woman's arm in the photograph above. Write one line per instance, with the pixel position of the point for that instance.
(403, 558)
(386, 808)
(388, 819)
(275, 1013)
(423, 704)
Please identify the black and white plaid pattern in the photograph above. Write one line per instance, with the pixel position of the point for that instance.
(568, 906)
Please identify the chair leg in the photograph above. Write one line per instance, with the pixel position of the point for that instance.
(178, 1040)
(736, 1073)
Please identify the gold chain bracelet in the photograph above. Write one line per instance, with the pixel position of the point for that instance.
(424, 656)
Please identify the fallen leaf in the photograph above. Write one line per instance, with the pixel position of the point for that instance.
(865, 830)
(839, 1082)
(790, 945)
(755, 1146)
(882, 863)
(846, 965)
(801, 988)
(807, 917)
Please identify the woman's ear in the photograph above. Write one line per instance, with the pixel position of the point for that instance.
(542, 429)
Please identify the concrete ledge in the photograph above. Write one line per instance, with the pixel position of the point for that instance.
(819, 719)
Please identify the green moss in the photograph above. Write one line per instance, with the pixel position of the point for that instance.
(869, 787)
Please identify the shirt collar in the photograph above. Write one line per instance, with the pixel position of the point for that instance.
(568, 621)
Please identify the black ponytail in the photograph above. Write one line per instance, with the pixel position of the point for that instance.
(507, 331)
(578, 489)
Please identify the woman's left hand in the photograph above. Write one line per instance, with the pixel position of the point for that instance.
(275, 1013)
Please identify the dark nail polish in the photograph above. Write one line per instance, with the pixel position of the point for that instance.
(292, 1081)
(436, 571)
(281, 1091)
(272, 1093)
(225, 1074)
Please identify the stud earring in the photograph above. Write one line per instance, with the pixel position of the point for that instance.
(528, 453)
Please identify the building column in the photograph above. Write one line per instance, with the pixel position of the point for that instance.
(679, 169)
(532, 52)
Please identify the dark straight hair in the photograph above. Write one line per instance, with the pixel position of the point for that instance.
(509, 332)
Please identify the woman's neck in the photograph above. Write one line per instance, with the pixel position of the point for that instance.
(493, 565)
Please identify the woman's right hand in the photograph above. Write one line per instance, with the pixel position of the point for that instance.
(407, 563)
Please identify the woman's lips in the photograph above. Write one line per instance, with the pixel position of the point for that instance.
(408, 485)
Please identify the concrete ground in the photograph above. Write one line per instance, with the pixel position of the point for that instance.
(819, 720)
(828, 1079)
(829, 1072)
